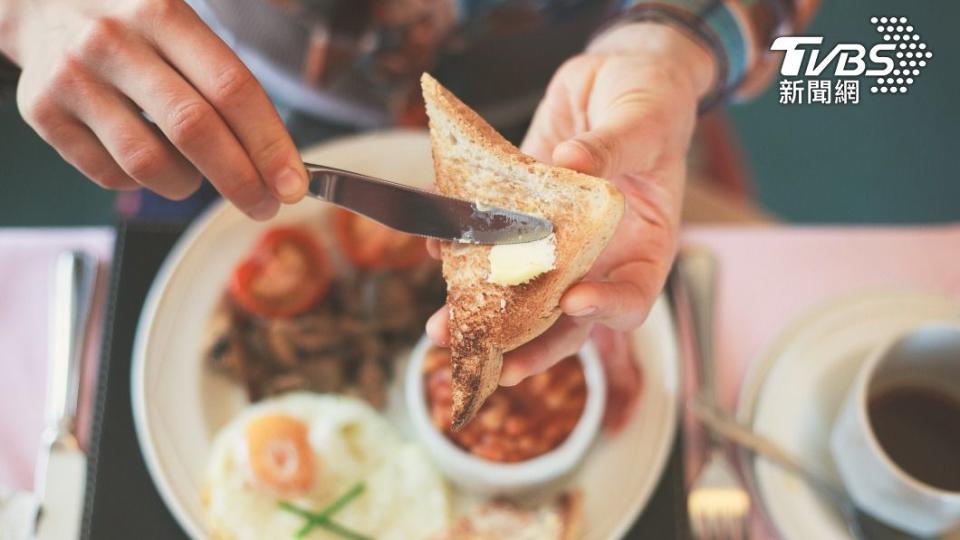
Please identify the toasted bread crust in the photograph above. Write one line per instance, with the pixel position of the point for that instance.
(559, 519)
(474, 162)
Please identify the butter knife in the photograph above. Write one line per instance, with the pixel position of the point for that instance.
(62, 466)
(422, 213)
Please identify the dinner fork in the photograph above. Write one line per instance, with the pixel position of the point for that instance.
(718, 503)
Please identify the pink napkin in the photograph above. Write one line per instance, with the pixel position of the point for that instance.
(26, 276)
(771, 275)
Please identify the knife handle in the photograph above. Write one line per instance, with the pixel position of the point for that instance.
(74, 280)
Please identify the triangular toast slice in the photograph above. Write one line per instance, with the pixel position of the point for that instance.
(473, 162)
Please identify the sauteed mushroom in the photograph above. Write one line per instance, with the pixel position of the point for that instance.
(346, 343)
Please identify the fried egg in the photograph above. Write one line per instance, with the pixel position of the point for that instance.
(309, 449)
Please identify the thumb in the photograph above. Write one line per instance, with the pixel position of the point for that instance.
(627, 138)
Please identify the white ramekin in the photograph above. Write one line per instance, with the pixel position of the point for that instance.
(485, 477)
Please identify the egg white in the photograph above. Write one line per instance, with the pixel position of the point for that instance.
(405, 497)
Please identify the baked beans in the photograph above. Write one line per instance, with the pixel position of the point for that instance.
(516, 423)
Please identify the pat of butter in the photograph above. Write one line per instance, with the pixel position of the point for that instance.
(514, 264)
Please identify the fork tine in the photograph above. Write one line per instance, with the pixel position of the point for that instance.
(705, 532)
(740, 525)
(714, 527)
(736, 525)
(724, 525)
(696, 523)
(708, 530)
(725, 531)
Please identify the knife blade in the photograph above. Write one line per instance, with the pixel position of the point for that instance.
(422, 213)
(61, 468)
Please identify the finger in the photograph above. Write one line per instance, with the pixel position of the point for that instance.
(184, 117)
(541, 137)
(216, 72)
(551, 118)
(433, 248)
(80, 147)
(438, 327)
(135, 146)
(624, 128)
(621, 305)
(563, 339)
(628, 141)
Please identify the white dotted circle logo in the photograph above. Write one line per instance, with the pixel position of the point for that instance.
(911, 56)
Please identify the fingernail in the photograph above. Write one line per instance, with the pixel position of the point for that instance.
(510, 377)
(583, 312)
(289, 184)
(265, 209)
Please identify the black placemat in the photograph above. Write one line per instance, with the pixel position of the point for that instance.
(122, 501)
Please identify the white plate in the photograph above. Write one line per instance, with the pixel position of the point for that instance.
(793, 394)
(179, 404)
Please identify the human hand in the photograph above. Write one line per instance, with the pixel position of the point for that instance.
(624, 110)
(91, 68)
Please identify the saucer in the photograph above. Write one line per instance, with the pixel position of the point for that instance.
(795, 390)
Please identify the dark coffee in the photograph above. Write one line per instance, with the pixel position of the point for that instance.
(919, 429)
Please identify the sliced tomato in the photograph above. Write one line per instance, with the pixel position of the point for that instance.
(286, 274)
(373, 246)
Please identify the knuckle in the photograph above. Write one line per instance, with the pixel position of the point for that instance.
(232, 85)
(189, 122)
(157, 10)
(244, 192)
(102, 38)
(71, 80)
(143, 162)
(270, 156)
(40, 111)
(74, 85)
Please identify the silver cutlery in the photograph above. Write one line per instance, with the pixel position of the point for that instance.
(18, 514)
(718, 503)
(423, 213)
(860, 524)
(61, 467)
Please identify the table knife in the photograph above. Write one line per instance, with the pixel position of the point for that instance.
(422, 213)
(61, 468)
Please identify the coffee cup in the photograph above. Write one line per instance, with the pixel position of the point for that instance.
(896, 441)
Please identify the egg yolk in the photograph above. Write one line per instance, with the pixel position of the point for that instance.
(279, 454)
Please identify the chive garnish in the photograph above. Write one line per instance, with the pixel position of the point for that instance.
(323, 519)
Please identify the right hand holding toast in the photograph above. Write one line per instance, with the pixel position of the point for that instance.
(624, 110)
(91, 68)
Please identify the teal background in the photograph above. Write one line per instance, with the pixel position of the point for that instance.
(890, 159)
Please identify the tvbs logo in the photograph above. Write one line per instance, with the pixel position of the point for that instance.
(891, 65)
